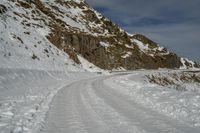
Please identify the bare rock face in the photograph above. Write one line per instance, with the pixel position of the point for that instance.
(121, 50)
(3, 9)
(77, 29)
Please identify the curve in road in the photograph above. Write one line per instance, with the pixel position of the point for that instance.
(90, 106)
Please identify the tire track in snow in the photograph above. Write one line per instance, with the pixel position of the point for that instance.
(140, 116)
(89, 106)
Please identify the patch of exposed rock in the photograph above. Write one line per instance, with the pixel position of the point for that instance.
(78, 29)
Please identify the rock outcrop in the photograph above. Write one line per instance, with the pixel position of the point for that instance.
(77, 29)
(3, 9)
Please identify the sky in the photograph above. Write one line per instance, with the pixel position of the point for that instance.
(174, 24)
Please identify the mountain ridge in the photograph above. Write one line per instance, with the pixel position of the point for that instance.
(78, 30)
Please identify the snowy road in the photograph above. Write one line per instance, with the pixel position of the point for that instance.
(91, 106)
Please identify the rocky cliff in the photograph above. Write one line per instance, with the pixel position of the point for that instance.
(77, 29)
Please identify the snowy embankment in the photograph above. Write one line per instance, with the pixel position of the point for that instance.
(180, 104)
(26, 95)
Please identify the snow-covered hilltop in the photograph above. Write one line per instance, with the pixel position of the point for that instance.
(52, 34)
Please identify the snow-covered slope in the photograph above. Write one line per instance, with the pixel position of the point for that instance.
(51, 34)
(23, 42)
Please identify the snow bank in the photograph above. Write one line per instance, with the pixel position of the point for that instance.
(181, 105)
(26, 95)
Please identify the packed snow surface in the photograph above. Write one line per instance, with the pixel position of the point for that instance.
(26, 95)
(33, 101)
(122, 103)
